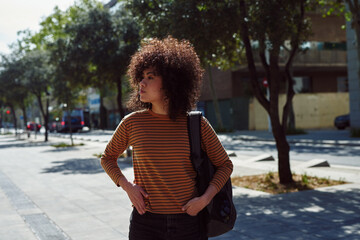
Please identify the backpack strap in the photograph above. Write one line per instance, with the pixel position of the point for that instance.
(194, 126)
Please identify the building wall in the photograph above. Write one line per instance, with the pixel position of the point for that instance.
(312, 110)
(222, 82)
(327, 29)
(324, 82)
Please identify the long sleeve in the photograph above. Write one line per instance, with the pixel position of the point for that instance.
(217, 155)
(116, 146)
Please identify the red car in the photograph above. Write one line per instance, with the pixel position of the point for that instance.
(31, 126)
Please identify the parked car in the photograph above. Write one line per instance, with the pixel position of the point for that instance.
(343, 121)
(77, 117)
(32, 126)
(54, 126)
(7, 125)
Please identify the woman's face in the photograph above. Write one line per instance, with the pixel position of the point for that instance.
(150, 88)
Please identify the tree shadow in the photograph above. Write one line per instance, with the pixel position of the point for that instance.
(62, 149)
(313, 214)
(20, 143)
(80, 166)
(296, 148)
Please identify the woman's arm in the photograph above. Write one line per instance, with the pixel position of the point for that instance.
(219, 158)
(117, 145)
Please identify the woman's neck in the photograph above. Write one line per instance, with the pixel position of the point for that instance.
(159, 109)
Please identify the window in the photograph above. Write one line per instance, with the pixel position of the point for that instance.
(302, 84)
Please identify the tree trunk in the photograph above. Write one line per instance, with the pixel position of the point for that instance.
(288, 111)
(44, 115)
(23, 108)
(279, 130)
(14, 117)
(220, 124)
(103, 112)
(119, 97)
(283, 149)
(47, 120)
(271, 106)
(70, 125)
(291, 124)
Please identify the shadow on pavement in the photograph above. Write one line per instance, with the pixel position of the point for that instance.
(335, 150)
(80, 166)
(22, 143)
(304, 215)
(62, 149)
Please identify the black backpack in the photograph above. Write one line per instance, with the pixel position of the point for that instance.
(220, 214)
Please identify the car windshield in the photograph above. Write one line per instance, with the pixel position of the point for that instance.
(74, 113)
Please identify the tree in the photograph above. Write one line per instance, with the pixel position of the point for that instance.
(217, 30)
(200, 22)
(65, 87)
(271, 24)
(13, 93)
(36, 76)
(104, 43)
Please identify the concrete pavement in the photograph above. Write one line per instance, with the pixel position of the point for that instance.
(48, 193)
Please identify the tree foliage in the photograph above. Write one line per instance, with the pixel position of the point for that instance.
(200, 22)
(103, 43)
(12, 92)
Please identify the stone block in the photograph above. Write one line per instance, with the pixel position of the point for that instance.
(314, 163)
(261, 158)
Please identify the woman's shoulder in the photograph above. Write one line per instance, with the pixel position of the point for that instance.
(135, 115)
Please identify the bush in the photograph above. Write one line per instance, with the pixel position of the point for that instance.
(295, 131)
(355, 132)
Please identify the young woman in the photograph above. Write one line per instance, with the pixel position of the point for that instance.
(166, 77)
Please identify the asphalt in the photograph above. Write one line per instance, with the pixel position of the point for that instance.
(60, 194)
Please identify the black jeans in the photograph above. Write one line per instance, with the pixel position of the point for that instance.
(151, 226)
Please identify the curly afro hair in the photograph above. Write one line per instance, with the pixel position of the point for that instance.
(178, 65)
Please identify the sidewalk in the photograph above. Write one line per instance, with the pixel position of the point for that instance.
(61, 194)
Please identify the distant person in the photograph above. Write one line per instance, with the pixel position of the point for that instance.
(166, 78)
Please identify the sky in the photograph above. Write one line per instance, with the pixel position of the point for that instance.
(17, 15)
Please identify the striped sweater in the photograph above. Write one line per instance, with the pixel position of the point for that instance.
(161, 158)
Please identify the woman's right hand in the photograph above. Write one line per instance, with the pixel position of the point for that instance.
(136, 195)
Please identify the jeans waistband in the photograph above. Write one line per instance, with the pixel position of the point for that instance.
(163, 216)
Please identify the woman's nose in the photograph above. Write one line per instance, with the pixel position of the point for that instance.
(142, 83)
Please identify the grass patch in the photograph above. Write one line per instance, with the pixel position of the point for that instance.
(97, 155)
(7, 133)
(223, 130)
(355, 132)
(65, 145)
(270, 183)
(295, 131)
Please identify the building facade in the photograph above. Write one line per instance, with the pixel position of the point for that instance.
(320, 76)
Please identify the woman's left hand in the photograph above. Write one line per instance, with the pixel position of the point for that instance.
(194, 206)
